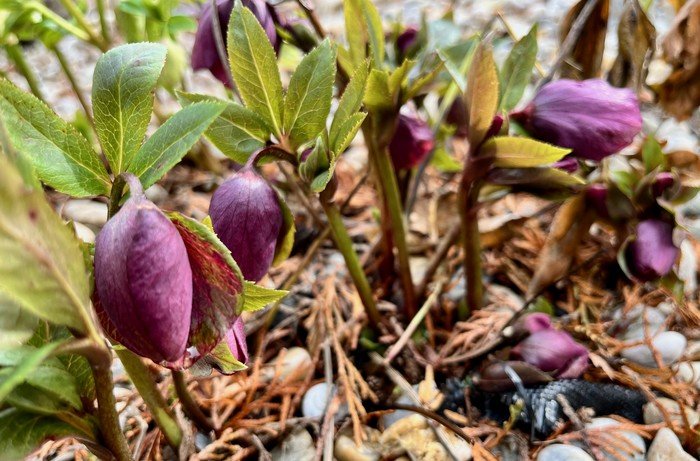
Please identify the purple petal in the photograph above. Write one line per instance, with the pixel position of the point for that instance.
(412, 141)
(652, 254)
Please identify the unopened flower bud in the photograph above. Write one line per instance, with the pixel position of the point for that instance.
(590, 117)
(204, 51)
(406, 40)
(235, 338)
(530, 323)
(246, 214)
(652, 254)
(143, 279)
(596, 197)
(553, 351)
(662, 182)
(412, 141)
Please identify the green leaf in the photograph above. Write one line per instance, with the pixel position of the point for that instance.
(378, 96)
(172, 140)
(254, 67)
(237, 131)
(217, 283)
(512, 152)
(256, 297)
(61, 157)
(652, 155)
(317, 169)
(517, 70)
(16, 323)
(445, 163)
(363, 28)
(22, 432)
(350, 103)
(481, 96)
(346, 133)
(220, 358)
(122, 99)
(285, 239)
(42, 266)
(308, 99)
(23, 362)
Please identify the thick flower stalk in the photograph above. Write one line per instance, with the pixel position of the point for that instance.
(143, 279)
(652, 253)
(204, 52)
(246, 214)
(590, 117)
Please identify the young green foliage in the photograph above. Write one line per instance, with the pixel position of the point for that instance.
(517, 70)
(481, 97)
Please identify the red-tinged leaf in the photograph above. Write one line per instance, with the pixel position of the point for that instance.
(217, 294)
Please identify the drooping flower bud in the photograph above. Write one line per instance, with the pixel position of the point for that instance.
(412, 141)
(143, 279)
(596, 197)
(553, 351)
(591, 117)
(247, 217)
(204, 52)
(652, 254)
(531, 323)
(568, 164)
(406, 40)
(662, 182)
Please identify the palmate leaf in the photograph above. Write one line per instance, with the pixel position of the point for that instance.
(517, 70)
(308, 99)
(237, 131)
(513, 152)
(254, 67)
(481, 97)
(122, 98)
(59, 154)
(217, 283)
(42, 266)
(22, 432)
(172, 140)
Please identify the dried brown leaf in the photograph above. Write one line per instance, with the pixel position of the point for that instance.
(636, 36)
(586, 57)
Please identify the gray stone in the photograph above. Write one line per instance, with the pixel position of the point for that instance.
(86, 212)
(561, 452)
(653, 415)
(669, 344)
(299, 446)
(316, 400)
(667, 447)
(632, 437)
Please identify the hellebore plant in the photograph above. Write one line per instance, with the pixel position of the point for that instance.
(553, 351)
(651, 254)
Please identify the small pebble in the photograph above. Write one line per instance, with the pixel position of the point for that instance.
(633, 438)
(83, 232)
(669, 344)
(295, 362)
(298, 446)
(653, 415)
(156, 193)
(689, 372)
(346, 450)
(667, 447)
(561, 452)
(316, 400)
(86, 212)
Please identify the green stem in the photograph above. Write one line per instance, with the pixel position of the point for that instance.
(73, 82)
(60, 22)
(82, 21)
(106, 406)
(189, 404)
(17, 56)
(143, 380)
(104, 26)
(392, 201)
(468, 199)
(344, 244)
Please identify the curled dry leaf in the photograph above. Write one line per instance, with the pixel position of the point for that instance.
(570, 224)
(587, 55)
(636, 36)
(680, 93)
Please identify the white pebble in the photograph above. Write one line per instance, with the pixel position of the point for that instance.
(635, 439)
(667, 447)
(669, 344)
(86, 211)
(315, 402)
(561, 452)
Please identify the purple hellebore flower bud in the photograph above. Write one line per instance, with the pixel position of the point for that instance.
(406, 39)
(532, 323)
(568, 164)
(204, 53)
(597, 196)
(412, 141)
(247, 217)
(591, 117)
(235, 338)
(457, 116)
(652, 254)
(143, 279)
(662, 182)
(553, 351)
